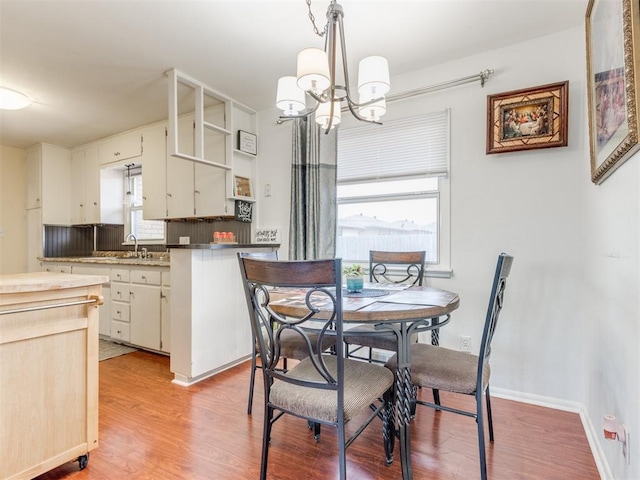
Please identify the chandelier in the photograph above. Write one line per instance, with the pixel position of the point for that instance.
(316, 77)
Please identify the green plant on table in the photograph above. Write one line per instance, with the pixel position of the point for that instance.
(354, 270)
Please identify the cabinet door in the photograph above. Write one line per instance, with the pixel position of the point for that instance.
(154, 173)
(165, 320)
(77, 187)
(34, 175)
(91, 180)
(121, 147)
(180, 181)
(56, 184)
(34, 239)
(145, 316)
(209, 192)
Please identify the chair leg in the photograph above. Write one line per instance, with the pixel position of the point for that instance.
(252, 381)
(388, 426)
(436, 396)
(480, 422)
(489, 417)
(266, 438)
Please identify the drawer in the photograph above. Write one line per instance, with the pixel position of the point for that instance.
(57, 268)
(120, 311)
(120, 331)
(120, 292)
(119, 274)
(145, 277)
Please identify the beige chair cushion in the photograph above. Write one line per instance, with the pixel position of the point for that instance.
(292, 345)
(443, 369)
(364, 383)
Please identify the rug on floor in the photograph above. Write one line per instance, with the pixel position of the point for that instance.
(109, 349)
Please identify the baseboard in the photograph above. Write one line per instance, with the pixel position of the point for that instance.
(592, 433)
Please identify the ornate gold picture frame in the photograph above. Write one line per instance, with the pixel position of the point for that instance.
(612, 83)
(528, 119)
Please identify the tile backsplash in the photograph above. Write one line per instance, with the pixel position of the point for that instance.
(81, 241)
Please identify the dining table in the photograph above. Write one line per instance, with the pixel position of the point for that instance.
(403, 310)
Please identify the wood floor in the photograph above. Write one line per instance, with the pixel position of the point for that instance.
(153, 429)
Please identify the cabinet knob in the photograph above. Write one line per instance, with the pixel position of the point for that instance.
(118, 312)
(169, 195)
(144, 277)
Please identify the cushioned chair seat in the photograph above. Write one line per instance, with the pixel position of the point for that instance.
(443, 369)
(364, 383)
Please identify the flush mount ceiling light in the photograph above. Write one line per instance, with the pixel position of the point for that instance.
(11, 99)
(316, 77)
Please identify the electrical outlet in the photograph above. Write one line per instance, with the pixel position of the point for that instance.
(267, 190)
(625, 446)
(184, 240)
(465, 343)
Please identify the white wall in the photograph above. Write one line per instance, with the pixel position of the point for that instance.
(13, 184)
(572, 296)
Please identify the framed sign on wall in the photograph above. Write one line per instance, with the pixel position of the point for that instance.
(247, 142)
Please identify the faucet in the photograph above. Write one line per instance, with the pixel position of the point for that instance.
(135, 243)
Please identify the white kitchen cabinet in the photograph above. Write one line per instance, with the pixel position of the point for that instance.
(145, 316)
(85, 186)
(165, 313)
(35, 234)
(120, 307)
(49, 182)
(154, 173)
(121, 147)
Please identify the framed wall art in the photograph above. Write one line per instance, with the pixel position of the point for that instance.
(242, 187)
(527, 119)
(247, 142)
(613, 73)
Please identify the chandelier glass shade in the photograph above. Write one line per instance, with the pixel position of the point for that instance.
(316, 82)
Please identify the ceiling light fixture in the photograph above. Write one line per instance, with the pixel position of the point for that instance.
(316, 76)
(11, 99)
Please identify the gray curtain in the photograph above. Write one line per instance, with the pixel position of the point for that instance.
(312, 232)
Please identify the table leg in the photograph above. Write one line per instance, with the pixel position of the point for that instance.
(404, 396)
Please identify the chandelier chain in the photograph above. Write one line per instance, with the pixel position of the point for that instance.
(313, 19)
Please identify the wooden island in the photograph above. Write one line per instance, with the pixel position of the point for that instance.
(48, 371)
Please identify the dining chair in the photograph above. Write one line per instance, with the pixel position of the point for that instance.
(323, 388)
(292, 346)
(460, 372)
(393, 268)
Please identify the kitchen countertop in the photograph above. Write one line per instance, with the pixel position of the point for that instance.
(147, 262)
(215, 246)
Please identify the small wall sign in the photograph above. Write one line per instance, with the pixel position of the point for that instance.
(247, 142)
(243, 211)
(267, 235)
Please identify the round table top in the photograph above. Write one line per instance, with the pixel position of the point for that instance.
(408, 304)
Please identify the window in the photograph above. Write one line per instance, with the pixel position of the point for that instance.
(148, 231)
(393, 189)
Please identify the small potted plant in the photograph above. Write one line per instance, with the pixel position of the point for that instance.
(354, 273)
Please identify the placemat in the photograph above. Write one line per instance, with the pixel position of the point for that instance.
(365, 292)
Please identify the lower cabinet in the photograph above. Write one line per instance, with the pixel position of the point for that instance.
(136, 308)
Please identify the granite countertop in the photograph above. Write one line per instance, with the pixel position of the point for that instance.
(162, 261)
(41, 281)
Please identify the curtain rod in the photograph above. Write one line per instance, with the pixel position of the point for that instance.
(482, 77)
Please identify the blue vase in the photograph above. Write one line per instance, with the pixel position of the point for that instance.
(354, 283)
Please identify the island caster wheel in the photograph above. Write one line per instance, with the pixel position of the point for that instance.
(83, 460)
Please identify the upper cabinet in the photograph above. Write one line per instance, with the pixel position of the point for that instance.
(85, 186)
(121, 147)
(49, 182)
(203, 151)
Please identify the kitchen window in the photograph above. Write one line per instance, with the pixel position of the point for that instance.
(147, 231)
(393, 190)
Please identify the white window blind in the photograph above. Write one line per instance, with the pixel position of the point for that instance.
(398, 148)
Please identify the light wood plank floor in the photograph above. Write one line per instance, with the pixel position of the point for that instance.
(152, 429)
